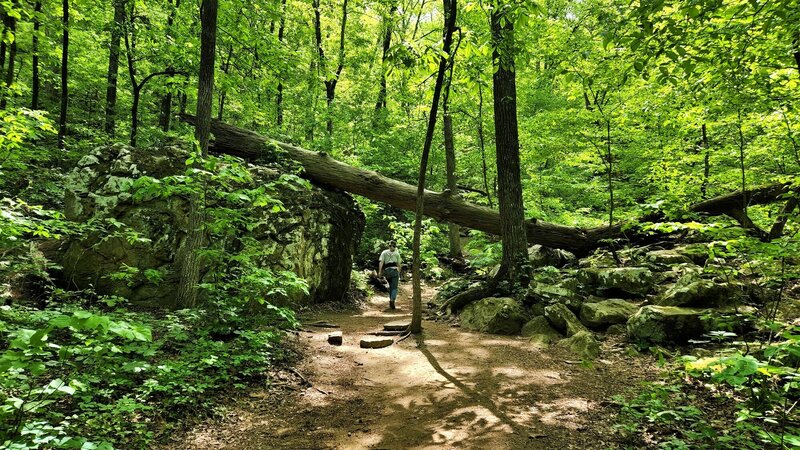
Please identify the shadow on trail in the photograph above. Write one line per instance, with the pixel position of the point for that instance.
(475, 396)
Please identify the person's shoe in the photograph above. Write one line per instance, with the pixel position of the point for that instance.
(391, 304)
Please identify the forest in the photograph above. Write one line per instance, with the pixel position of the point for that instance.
(399, 224)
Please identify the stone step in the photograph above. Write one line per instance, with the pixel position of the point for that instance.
(335, 338)
(399, 325)
(386, 333)
(376, 341)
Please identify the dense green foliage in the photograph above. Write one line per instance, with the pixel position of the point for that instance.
(624, 108)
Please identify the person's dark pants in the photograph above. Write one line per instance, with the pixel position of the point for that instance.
(393, 276)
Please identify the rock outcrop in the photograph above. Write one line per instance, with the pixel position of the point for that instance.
(314, 234)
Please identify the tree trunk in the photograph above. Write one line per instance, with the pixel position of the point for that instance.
(320, 168)
(387, 43)
(189, 260)
(279, 98)
(165, 109)
(706, 163)
(482, 145)
(449, 26)
(453, 231)
(62, 118)
(37, 11)
(512, 212)
(12, 56)
(113, 67)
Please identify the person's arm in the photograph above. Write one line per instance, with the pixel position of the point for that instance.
(380, 265)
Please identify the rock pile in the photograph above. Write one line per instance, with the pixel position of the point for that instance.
(655, 296)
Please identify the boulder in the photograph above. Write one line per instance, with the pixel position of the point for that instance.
(633, 281)
(541, 256)
(693, 291)
(313, 234)
(616, 330)
(563, 319)
(496, 315)
(607, 312)
(539, 332)
(666, 324)
(582, 344)
(666, 257)
(564, 291)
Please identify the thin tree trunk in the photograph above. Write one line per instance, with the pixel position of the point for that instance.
(188, 254)
(706, 163)
(12, 56)
(35, 83)
(279, 98)
(453, 230)
(610, 165)
(222, 94)
(113, 67)
(62, 118)
(512, 213)
(450, 10)
(741, 160)
(387, 43)
(165, 110)
(482, 145)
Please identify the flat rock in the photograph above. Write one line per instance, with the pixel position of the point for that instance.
(399, 325)
(386, 333)
(335, 338)
(376, 341)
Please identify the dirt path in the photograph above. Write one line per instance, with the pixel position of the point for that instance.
(450, 389)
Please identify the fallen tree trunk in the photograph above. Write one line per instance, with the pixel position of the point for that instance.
(322, 169)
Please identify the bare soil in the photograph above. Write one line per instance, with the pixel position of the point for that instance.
(446, 389)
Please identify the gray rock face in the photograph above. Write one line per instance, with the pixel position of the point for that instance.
(582, 344)
(691, 290)
(635, 281)
(666, 324)
(563, 319)
(496, 315)
(315, 235)
(607, 312)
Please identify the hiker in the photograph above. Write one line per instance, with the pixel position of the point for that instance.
(390, 261)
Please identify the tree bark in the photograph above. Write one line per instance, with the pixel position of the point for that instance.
(512, 213)
(449, 26)
(279, 98)
(62, 118)
(165, 109)
(706, 163)
(189, 260)
(12, 56)
(453, 231)
(113, 66)
(386, 44)
(35, 83)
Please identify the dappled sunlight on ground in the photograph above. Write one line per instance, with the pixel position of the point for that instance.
(448, 388)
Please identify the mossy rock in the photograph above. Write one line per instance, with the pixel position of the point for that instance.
(582, 344)
(539, 332)
(496, 315)
(607, 312)
(541, 256)
(562, 292)
(563, 319)
(654, 324)
(693, 291)
(633, 281)
(666, 258)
